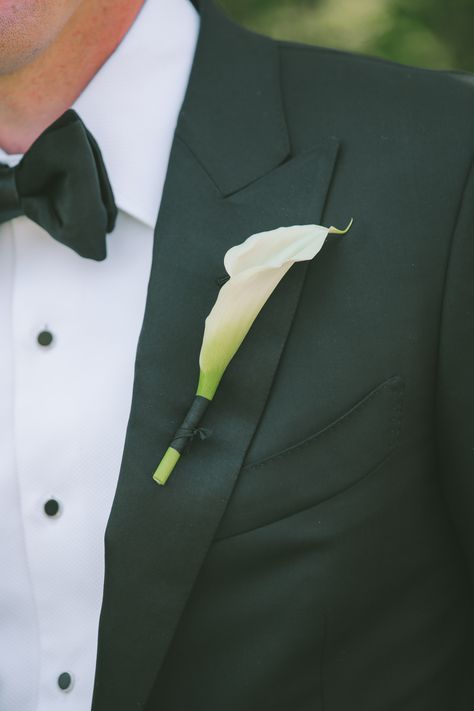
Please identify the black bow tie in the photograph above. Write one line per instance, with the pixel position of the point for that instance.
(61, 183)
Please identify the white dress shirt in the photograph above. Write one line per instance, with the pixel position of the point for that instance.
(64, 407)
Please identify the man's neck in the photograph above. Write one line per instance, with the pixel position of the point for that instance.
(39, 92)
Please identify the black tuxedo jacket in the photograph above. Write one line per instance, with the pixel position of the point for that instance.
(316, 552)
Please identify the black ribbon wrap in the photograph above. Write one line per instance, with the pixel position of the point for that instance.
(190, 426)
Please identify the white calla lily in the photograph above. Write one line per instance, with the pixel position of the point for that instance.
(255, 268)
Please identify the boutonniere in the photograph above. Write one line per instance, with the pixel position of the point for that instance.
(255, 267)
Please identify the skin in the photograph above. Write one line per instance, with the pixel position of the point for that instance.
(49, 52)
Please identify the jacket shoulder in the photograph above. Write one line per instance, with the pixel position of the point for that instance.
(368, 67)
(428, 101)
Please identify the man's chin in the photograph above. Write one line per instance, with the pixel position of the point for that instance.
(17, 12)
(12, 59)
(28, 27)
(21, 34)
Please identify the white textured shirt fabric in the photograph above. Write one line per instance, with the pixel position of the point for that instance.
(64, 407)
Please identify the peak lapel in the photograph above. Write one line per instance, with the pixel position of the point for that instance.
(223, 183)
(232, 115)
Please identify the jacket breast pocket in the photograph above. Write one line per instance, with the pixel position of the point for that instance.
(319, 467)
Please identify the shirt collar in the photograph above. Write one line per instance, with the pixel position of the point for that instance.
(132, 103)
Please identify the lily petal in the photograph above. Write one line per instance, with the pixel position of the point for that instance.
(255, 267)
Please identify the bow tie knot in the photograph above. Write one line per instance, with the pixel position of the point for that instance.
(61, 184)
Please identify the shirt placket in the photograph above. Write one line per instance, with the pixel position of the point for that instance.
(19, 639)
(47, 474)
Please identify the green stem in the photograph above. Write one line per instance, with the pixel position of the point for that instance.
(166, 466)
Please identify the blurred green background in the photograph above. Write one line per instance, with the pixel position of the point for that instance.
(427, 33)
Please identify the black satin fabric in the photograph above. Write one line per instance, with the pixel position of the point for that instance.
(61, 183)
